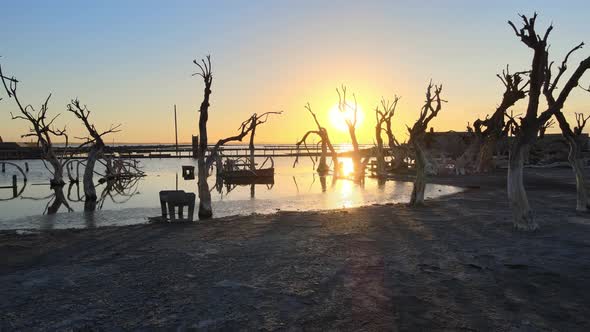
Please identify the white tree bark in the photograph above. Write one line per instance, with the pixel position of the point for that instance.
(88, 177)
(419, 188)
(581, 191)
(519, 204)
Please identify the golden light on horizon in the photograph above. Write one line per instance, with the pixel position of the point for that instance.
(338, 119)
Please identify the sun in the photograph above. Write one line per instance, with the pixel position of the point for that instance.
(338, 119)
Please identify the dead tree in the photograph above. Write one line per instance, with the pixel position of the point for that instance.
(325, 143)
(573, 137)
(253, 122)
(581, 120)
(246, 127)
(344, 107)
(95, 150)
(41, 128)
(544, 127)
(205, 210)
(478, 157)
(555, 106)
(528, 128)
(399, 151)
(429, 111)
(383, 123)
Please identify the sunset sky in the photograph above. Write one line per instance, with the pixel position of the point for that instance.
(131, 61)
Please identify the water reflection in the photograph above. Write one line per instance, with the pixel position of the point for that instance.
(54, 201)
(133, 200)
(16, 188)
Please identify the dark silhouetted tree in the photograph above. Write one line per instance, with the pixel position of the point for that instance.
(478, 157)
(383, 118)
(325, 143)
(205, 210)
(527, 129)
(42, 129)
(95, 150)
(429, 111)
(345, 110)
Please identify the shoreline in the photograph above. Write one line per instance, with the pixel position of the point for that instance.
(456, 263)
(130, 216)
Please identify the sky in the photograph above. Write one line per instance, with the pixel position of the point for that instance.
(131, 61)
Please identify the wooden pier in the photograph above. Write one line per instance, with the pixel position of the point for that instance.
(182, 151)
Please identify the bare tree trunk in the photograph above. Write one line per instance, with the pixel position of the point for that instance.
(251, 146)
(326, 138)
(344, 107)
(88, 181)
(356, 155)
(322, 168)
(464, 163)
(59, 199)
(94, 153)
(486, 155)
(399, 155)
(381, 169)
(419, 188)
(417, 135)
(323, 165)
(57, 166)
(205, 210)
(397, 151)
(521, 210)
(575, 160)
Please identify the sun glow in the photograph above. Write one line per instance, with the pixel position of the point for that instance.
(346, 167)
(338, 119)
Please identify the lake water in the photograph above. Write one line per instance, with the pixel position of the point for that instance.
(294, 189)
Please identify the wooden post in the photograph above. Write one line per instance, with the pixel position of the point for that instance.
(14, 191)
(195, 147)
(3, 167)
(27, 167)
(176, 129)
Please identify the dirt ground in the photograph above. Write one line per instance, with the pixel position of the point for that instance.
(455, 264)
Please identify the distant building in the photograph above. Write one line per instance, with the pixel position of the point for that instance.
(12, 150)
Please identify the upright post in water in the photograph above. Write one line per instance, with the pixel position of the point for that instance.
(14, 191)
(26, 166)
(175, 129)
(195, 147)
(3, 167)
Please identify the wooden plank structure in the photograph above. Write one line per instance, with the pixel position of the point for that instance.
(14, 151)
(173, 202)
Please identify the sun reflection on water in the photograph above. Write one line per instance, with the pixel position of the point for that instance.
(346, 167)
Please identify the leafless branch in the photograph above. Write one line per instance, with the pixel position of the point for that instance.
(581, 120)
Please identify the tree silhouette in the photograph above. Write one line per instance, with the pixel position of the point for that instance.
(325, 143)
(42, 129)
(527, 129)
(429, 111)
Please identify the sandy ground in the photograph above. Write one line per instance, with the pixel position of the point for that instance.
(455, 264)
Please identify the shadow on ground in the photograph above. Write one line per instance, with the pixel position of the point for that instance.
(455, 264)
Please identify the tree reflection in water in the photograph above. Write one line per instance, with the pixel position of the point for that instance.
(54, 201)
(221, 184)
(117, 191)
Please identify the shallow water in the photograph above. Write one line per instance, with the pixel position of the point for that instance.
(294, 189)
